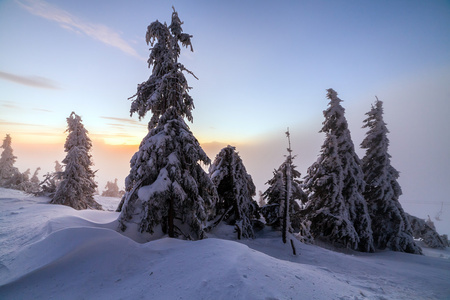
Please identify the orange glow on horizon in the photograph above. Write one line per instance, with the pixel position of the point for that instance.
(125, 141)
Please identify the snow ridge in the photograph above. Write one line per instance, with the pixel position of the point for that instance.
(81, 256)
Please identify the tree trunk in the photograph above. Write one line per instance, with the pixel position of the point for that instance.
(294, 252)
(286, 221)
(170, 218)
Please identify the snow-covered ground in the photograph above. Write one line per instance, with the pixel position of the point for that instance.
(55, 252)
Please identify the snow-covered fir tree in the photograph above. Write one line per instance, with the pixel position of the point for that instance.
(326, 210)
(284, 184)
(167, 190)
(27, 184)
(350, 218)
(112, 189)
(58, 167)
(77, 186)
(51, 181)
(7, 160)
(20, 181)
(390, 226)
(35, 179)
(235, 189)
(261, 200)
(34, 182)
(425, 231)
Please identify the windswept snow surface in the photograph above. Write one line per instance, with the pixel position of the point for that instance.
(54, 252)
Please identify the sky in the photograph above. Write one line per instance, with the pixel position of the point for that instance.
(262, 66)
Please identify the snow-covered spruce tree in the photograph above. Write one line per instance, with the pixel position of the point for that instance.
(51, 181)
(284, 184)
(112, 189)
(326, 210)
(58, 168)
(21, 180)
(261, 200)
(235, 190)
(7, 160)
(29, 185)
(77, 186)
(426, 232)
(355, 227)
(167, 190)
(35, 179)
(390, 226)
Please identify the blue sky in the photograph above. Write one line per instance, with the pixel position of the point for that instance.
(262, 66)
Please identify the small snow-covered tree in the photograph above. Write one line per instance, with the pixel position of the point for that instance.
(21, 180)
(285, 184)
(167, 189)
(58, 167)
(112, 189)
(34, 182)
(261, 200)
(51, 181)
(273, 196)
(235, 189)
(355, 227)
(425, 231)
(77, 186)
(390, 226)
(35, 179)
(29, 185)
(7, 160)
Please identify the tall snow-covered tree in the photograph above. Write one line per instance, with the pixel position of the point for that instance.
(326, 210)
(7, 160)
(167, 88)
(390, 225)
(235, 189)
(351, 205)
(167, 190)
(77, 186)
(285, 184)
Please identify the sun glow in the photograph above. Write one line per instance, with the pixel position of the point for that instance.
(37, 138)
(128, 141)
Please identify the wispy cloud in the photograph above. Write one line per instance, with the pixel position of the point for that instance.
(43, 110)
(46, 133)
(107, 135)
(33, 81)
(9, 124)
(9, 104)
(70, 22)
(13, 105)
(31, 127)
(125, 121)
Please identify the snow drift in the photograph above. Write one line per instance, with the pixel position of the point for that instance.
(57, 252)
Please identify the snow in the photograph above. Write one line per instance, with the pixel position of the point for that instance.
(161, 184)
(55, 252)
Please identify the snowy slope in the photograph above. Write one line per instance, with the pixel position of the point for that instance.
(51, 251)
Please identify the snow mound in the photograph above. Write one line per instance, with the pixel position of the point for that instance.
(108, 203)
(55, 252)
(97, 263)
